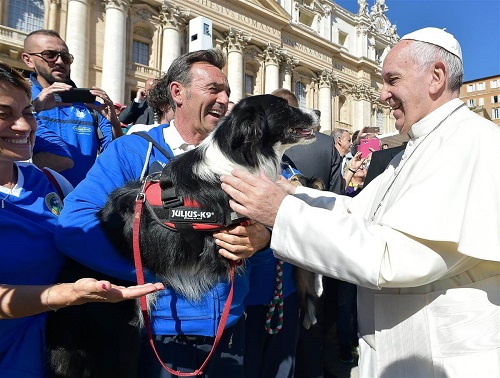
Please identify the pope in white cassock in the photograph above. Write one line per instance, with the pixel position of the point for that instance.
(422, 240)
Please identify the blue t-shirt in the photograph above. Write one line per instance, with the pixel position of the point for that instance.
(74, 124)
(29, 257)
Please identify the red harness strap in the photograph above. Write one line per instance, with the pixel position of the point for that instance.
(140, 281)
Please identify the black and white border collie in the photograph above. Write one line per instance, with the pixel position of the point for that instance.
(252, 137)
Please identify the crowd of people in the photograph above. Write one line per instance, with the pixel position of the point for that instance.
(408, 269)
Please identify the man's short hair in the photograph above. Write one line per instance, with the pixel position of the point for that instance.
(338, 133)
(46, 32)
(287, 95)
(180, 69)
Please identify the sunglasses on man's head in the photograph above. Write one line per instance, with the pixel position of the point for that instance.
(50, 56)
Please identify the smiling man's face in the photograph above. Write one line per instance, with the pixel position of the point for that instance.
(406, 87)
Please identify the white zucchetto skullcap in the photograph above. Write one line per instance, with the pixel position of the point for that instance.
(437, 37)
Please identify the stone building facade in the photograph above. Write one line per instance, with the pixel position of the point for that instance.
(331, 58)
(483, 96)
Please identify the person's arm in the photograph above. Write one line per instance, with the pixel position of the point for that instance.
(107, 110)
(135, 109)
(118, 164)
(17, 301)
(50, 150)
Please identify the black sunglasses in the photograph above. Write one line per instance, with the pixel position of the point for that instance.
(50, 56)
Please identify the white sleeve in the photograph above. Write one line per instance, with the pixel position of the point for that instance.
(345, 246)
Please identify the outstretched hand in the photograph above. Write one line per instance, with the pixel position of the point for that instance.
(92, 290)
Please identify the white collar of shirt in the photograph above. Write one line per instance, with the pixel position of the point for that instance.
(429, 122)
(175, 141)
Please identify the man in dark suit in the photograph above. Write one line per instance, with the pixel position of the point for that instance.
(318, 160)
(138, 106)
(380, 160)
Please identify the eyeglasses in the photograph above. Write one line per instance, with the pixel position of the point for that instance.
(50, 56)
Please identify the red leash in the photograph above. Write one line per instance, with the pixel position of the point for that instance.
(140, 281)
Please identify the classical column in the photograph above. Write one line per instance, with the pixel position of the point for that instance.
(53, 12)
(77, 39)
(272, 69)
(236, 42)
(325, 80)
(113, 60)
(289, 63)
(362, 95)
(172, 20)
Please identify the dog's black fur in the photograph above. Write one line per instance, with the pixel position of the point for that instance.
(253, 137)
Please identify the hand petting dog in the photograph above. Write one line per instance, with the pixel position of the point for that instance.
(257, 198)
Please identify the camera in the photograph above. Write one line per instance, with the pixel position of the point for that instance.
(77, 95)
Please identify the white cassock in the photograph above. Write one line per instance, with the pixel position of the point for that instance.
(422, 241)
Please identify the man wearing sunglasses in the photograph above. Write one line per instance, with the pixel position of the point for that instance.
(83, 127)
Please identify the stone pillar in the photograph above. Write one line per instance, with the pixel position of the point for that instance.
(362, 95)
(53, 12)
(113, 60)
(172, 19)
(236, 42)
(272, 69)
(77, 39)
(325, 79)
(288, 65)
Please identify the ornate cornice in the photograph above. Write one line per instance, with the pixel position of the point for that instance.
(122, 5)
(172, 16)
(236, 40)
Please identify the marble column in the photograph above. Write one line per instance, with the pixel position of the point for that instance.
(272, 70)
(236, 42)
(53, 14)
(288, 65)
(325, 80)
(362, 95)
(77, 39)
(113, 60)
(172, 19)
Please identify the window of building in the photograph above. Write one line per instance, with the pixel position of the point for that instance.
(342, 38)
(471, 87)
(481, 101)
(494, 84)
(495, 99)
(471, 103)
(249, 84)
(380, 119)
(140, 53)
(480, 86)
(495, 113)
(300, 93)
(26, 15)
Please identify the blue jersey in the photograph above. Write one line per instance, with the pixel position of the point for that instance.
(74, 124)
(29, 257)
(263, 270)
(121, 162)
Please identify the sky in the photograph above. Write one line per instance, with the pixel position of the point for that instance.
(474, 23)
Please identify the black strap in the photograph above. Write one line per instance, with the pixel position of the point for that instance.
(146, 136)
(98, 132)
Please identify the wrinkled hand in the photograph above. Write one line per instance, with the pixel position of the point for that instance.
(240, 242)
(91, 290)
(257, 198)
(46, 99)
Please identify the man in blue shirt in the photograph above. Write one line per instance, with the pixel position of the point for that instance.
(85, 131)
(184, 331)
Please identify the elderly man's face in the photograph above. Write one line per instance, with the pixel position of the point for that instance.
(406, 87)
(344, 144)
